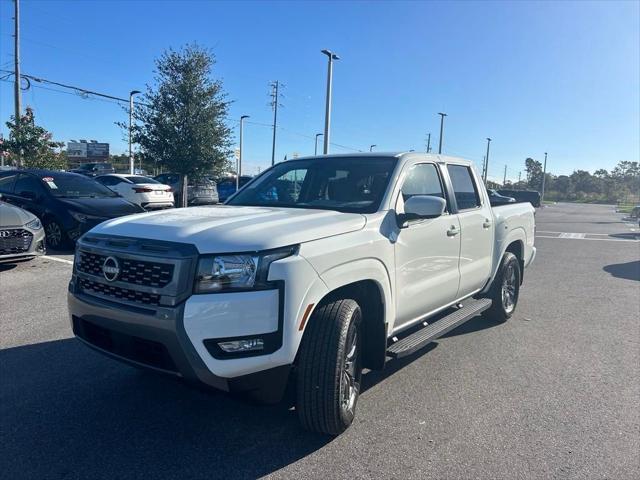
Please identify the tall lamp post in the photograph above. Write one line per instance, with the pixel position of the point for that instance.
(486, 162)
(315, 151)
(371, 147)
(442, 115)
(327, 113)
(239, 172)
(131, 94)
(544, 177)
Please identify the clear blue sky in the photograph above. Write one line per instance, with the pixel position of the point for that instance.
(561, 77)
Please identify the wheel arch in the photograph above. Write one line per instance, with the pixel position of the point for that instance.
(514, 242)
(367, 282)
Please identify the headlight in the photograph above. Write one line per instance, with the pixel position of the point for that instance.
(83, 217)
(34, 224)
(218, 273)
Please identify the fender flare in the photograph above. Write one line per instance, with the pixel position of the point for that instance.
(516, 235)
(371, 269)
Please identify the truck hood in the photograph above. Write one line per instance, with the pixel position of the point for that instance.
(225, 229)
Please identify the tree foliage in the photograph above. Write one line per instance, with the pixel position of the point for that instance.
(32, 144)
(180, 122)
(622, 184)
(534, 173)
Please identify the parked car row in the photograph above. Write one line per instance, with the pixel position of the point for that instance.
(68, 204)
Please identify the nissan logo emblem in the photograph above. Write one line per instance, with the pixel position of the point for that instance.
(110, 269)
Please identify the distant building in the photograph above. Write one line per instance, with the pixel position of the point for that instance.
(86, 151)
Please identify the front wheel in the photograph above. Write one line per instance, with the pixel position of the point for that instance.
(55, 235)
(505, 289)
(330, 368)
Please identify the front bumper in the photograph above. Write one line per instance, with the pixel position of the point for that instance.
(160, 342)
(36, 247)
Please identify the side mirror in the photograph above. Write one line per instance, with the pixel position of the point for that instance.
(421, 207)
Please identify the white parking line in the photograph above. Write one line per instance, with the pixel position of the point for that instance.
(596, 239)
(56, 259)
(578, 236)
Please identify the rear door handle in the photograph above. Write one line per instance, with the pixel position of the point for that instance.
(487, 223)
(453, 231)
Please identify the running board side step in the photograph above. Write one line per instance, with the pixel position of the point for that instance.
(437, 329)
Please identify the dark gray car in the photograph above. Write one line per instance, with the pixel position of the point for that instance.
(199, 192)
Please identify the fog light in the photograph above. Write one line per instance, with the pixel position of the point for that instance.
(247, 345)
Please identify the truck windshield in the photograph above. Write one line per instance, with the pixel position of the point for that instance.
(345, 184)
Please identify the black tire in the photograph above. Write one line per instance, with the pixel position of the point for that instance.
(330, 368)
(55, 235)
(505, 289)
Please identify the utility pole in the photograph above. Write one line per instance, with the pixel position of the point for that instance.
(428, 142)
(131, 164)
(544, 176)
(315, 151)
(442, 115)
(504, 180)
(239, 172)
(274, 103)
(486, 162)
(16, 53)
(327, 113)
(371, 147)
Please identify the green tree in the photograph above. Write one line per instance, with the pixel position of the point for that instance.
(181, 120)
(534, 173)
(31, 145)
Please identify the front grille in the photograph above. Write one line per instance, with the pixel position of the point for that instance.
(14, 241)
(140, 350)
(137, 272)
(116, 293)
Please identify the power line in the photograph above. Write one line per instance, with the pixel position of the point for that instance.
(77, 89)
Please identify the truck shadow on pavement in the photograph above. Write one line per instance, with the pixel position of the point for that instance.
(627, 271)
(66, 412)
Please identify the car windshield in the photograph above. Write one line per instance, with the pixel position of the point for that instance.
(76, 186)
(86, 166)
(345, 184)
(141, 180)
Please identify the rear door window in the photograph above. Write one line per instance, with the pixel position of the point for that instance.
(464, 187)
(28, 184)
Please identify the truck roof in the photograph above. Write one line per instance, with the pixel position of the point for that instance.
(399, 155)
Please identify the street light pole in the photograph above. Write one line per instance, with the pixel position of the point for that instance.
(131, 94)
(315, 151)
(442, 115)
(239, 172)
(429, 142)
(371, 147)
(486, 161)
(544, 177)
(327, 113)
(16, 73)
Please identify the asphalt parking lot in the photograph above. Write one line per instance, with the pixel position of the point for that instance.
(553, 393)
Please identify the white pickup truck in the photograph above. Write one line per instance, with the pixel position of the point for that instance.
(316, 269)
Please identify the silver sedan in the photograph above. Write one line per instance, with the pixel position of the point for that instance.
(21, 233)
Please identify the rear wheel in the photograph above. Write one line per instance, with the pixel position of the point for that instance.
(505, 289)
(330, 368)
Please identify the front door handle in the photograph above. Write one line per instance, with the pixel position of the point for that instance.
(487, 223)
(453, 231)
